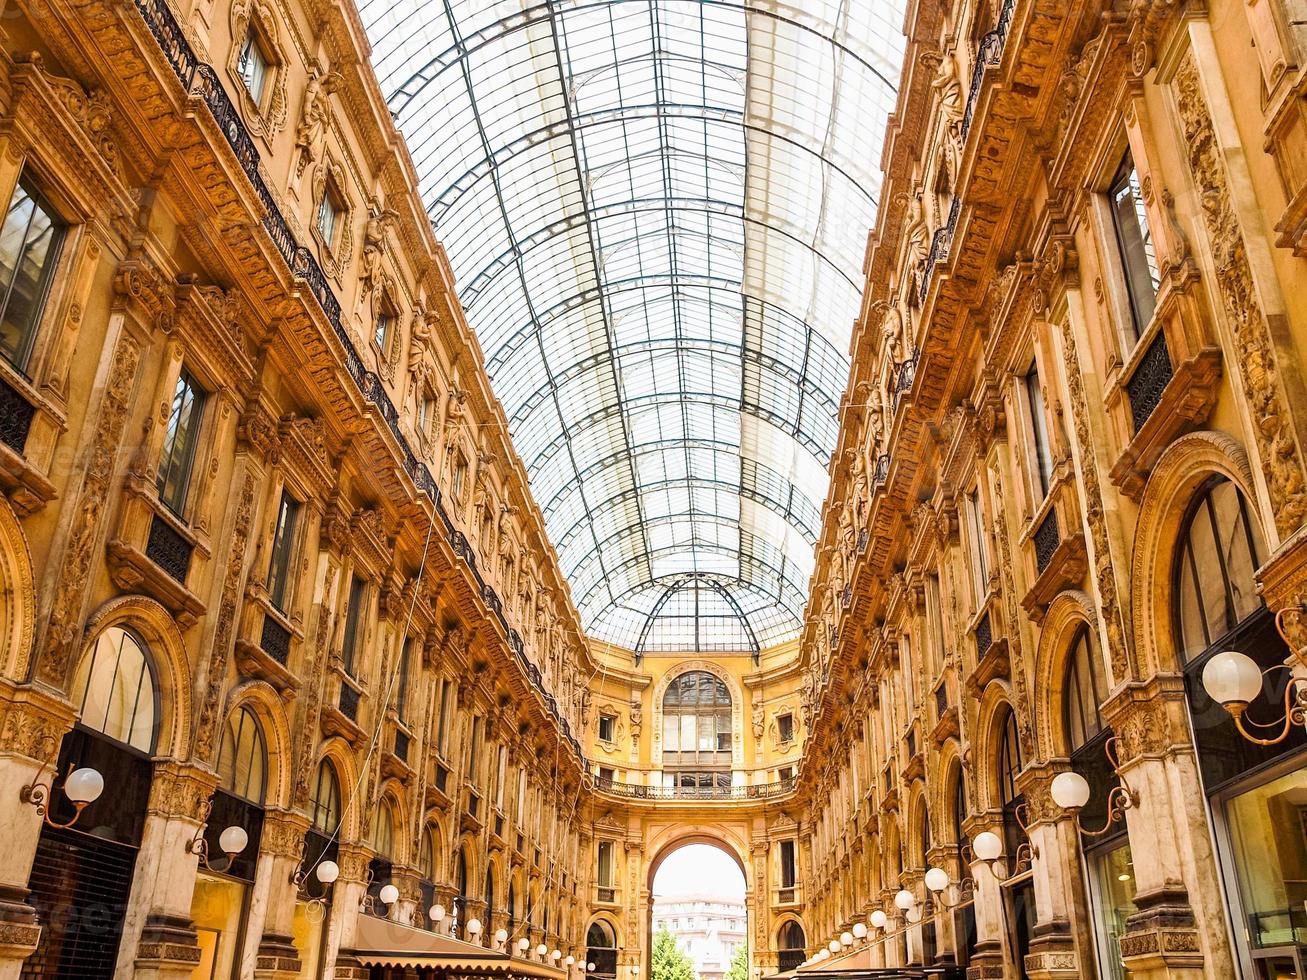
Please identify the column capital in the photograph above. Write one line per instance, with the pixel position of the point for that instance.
(181, 789)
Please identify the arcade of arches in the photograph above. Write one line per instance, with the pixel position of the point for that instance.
(453, 455)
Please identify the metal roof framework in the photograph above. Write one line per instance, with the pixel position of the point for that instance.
(657, 212)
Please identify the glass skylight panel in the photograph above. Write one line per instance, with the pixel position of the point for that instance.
(656, 213)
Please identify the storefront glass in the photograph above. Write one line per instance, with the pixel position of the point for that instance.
(216, 909)
(1268, 845)
(1113, 874)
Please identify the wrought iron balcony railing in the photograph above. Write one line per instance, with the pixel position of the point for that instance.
(635, 791)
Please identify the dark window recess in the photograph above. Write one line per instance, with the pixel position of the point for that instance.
(790, 959)
(499, 826)
(473, 804)
(606, 725)
(275, 640)
(401, 746)
(1046, 540)
(941, 701)
(442, 778)
(785, 727)
(80, 882)
(318, 847)
(229, 811)
(605, 961)
(168, 549)
(381, 872)
(984, 636)
(1152, 375)
(349, 702)
(911, 742)
(16, 414)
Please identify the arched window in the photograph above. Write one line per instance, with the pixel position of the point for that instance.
(1086, 689)
(460, 883)
(383, 836)
(243, 759)
(601, 948)
(1009, 761)
(490, 891)
(116, 690)
(512, 910)
(697, 731)
(324, 805)
(427, 852)
(1216, 587)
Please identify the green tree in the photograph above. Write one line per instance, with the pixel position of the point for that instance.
(739, 968)
(669, 962)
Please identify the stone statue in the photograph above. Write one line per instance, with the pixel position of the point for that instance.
(315, 117)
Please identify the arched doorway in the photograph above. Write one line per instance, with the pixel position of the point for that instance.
(699, 908)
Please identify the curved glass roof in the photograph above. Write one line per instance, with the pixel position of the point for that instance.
(657, 213)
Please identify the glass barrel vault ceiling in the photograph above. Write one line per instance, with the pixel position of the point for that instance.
(657, 212)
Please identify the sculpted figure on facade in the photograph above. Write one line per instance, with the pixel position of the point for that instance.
(374, 249)
(315, 118)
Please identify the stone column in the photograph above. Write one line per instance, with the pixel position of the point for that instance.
(1056, 876)
(342, 924)
(33, 725)
(1180, 923)
(269, 952)
(158, 939)
(946, 938)
(914, 938)
(409, 909)
(991, 958)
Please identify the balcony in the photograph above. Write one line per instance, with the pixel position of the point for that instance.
(634, 791)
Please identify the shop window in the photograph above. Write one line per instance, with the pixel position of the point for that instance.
(1134, 244)
(601, 949)
(30, 242)
(283, 545)
(1112, 882)
(180, 439)
(115, 687)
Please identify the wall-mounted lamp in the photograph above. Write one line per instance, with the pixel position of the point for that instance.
(1234, 680)
(846, 939)
(501, 939)
(82, 786)
(326, 872)
(542, 950)
(937, 880)
(523, 945)
(988, 847)
(232, 840)
(589, 968)
(1070, 791)
(859, 930)
(878, 919)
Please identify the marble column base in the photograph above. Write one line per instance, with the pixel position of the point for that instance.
(168, 949)
(277, 959)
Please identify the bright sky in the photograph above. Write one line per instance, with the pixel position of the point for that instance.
(696, 869)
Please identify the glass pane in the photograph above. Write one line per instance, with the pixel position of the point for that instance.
(1268, 837)
(179, 442)
(217, 907)
(29, 245)
(282, 543)
(1136, 244)
(1114, 885)
(117, 690)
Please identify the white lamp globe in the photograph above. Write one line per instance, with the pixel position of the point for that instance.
(859, 930)
(556, 955)
(635, 971)
(1232, 678)
(327, 872)
(84, 785)
(846, 939)
(389, 894)
(1070, 790)
(905, 899)
(233, 840)
(524, 944)
(878, 919)
(542, 949)
(589, 968)
(436, 913)
(833, 945)
(473, 927)
(937, 879)
(570, 960)
(501, 936)
(987, 846)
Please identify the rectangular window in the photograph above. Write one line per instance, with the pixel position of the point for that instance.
(329, 210)
(501, 776)
(179, 442)
(382, 333)
(473, 750)
(426, 411)
(607, 725)
(606, 773)
(401, 682)
(29, 248)
(935, 617)
(254, 66)
(606, 876)
(976, 533)
(1135, 244)
(788, 869)
(785, 726)
(459, 478)
(283, 543)
(442, 718)
(353, 612)
(1041, 462)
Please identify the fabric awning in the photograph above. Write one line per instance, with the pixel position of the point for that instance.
(381, 942)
